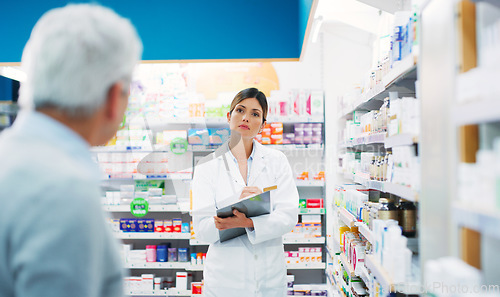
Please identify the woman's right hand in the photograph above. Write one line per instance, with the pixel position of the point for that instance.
(249, 191)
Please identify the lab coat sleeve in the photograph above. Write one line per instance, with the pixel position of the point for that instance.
(63, 245)
(285, 207)
(204, 203)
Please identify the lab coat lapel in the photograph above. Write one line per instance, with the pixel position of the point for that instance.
(258, 164)
(234, 171)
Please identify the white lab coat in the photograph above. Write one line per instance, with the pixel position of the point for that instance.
(252, 264)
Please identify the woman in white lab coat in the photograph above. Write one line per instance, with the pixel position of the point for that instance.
(252, 264)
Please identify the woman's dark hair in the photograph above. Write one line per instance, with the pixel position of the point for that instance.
(251, 93)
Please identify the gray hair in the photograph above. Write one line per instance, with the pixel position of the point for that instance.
(74, 55)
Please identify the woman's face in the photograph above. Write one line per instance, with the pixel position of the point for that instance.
(246, 118)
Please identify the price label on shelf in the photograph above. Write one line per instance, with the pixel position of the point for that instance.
(139, 207)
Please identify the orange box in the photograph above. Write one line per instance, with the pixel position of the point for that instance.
(277, 139)
(277, 128)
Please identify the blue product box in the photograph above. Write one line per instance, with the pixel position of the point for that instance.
(182, 254)
(124, 226)
(132, 225)
(185, 228)
(149, 225)
(218, 136)
(141, 225)
(198, 137)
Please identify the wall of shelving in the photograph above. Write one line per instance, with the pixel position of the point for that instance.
(347, 61)
(468, 90)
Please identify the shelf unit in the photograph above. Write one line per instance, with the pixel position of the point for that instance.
(303, 240)
(203, 148)
(169, 292)
(309, 183)
(152, 208)
(348, 267)
(395, 81)
(287, 239)
(223, 120)
(319, 211)
(347, 218)
(365, 231)
(400, 140)
(380, 274)
(477, 97)
(401, 79)
(485, 221)
(391, 188)
(158, 265)
(152, 235)
(300, 266)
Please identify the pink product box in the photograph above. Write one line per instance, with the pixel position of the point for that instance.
(308, 134)
(317, 135)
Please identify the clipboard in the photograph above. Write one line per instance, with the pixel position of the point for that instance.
(252, 206)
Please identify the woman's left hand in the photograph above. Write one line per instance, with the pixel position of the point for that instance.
(239, 220)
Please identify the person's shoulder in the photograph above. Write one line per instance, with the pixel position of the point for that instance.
(266, 151)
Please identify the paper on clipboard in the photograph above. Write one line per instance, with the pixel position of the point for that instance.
(252, 206)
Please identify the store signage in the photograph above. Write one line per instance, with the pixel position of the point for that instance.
(139, 207)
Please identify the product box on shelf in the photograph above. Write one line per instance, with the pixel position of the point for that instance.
(314, 203)
(218, 136)
(198, 137)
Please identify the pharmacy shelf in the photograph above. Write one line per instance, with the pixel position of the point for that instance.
(223, 120)
(493, 2)
(289, 266)
(373, 142)
(138, 176)
(319, 211)
(364, 275)
(400, 140)
(195, 267)
(306, 266)
(478, 112)
(169, 292)
(360, 179)
(379, 272)
(347, 266)
(402, 191)
(287, 239)
(296, 119)
(330, 251)
(348, 218)
(309, 183)
(197, 242)
(303, 240)
(152, 208)
(404, 69)
(485, 221)
(280, 147)
(365, 231)
(152, 235)
(400, 79)
(375, 185)
(477, 93)
(158, 265)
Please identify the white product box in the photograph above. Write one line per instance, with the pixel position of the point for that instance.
(181, 280)
(147, 282)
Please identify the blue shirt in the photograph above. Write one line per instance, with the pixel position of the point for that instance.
(249, 161)
(54, 239)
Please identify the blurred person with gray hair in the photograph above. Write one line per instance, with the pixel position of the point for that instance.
(54, 239)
